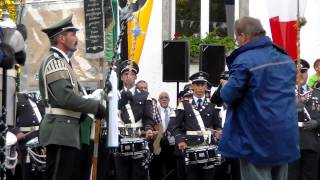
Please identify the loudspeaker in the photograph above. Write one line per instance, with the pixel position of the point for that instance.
(212, 61)
(175, 59)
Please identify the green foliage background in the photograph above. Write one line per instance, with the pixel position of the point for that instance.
(9, 5)
(213, 38)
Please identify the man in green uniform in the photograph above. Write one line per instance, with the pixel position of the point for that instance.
(60, 128)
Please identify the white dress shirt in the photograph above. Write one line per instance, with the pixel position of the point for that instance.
(132, 90)
(163, 116)
(196, 100)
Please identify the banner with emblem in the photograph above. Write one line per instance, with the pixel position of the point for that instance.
(94, 31)
(38, 14)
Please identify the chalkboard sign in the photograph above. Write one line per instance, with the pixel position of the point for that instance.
(94, 28)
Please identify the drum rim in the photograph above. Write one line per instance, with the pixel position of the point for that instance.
(11, 139)
(32, 142)
(132, 140)
(199, 148)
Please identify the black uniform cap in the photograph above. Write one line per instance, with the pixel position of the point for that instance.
(187, 90)
(129, 65)
(304, 64)
(209, 86)
(199, 77)
(63, 25)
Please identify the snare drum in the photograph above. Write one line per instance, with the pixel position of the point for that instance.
(203, 154)
(10, 151)
(36, 155)
(133, 146)
(135, 132)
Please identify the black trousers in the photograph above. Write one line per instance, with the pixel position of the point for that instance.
(86, 154)
(63, 163)
(196, 172)
(14, 175)
(319, 168)
(305, 168)
(106, 165)
(163, 166)
(28, 170)
(228, 170)
(181, 168)
(128, 168)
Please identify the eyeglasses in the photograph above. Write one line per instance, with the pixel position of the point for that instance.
(163, 97)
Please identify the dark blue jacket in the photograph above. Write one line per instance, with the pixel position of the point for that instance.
(261, 123)
(1, 56)
(1, 53)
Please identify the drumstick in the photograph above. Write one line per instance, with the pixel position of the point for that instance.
(28, 133)
(212, 130)
(153, 132)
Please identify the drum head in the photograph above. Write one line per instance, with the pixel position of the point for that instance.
(11, 139)
(33, 142)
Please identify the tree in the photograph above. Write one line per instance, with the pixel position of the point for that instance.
(9, 5)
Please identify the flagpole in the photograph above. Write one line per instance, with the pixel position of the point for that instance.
(298, 52)
(300, 22)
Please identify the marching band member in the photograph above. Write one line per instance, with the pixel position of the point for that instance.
(309, 122)
(59, 88)
(136, 108)
(20, 124)
(29, 115)
(195, 115)
(185, 95)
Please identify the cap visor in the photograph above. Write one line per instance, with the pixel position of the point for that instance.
(199, 81)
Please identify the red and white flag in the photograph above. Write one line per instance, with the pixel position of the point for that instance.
(283, 23)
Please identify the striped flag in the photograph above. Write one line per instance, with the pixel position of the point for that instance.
(283, 23)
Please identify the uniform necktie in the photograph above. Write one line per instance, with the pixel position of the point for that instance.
(166, 117)
(199, 103)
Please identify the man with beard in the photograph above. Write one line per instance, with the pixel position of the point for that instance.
(64, 101)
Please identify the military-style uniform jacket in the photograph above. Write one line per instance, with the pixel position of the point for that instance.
(61, 91)
(310, 139)
(186, 120)
(29, 113)
(141, 105)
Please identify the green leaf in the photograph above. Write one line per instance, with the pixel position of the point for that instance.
(213, 38)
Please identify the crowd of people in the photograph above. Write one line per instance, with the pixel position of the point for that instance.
(271, 130)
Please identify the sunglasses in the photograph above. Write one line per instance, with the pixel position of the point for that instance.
(304, 70)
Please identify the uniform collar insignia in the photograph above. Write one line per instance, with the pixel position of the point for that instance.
(60, 53)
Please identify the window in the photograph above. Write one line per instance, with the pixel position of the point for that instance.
(217, 19)
(188, 17)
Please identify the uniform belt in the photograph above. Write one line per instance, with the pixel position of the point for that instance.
(64, 112)
(28, 129)
(198, 133)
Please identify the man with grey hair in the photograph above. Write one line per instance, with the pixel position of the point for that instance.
(261, 126)
(142, 85)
